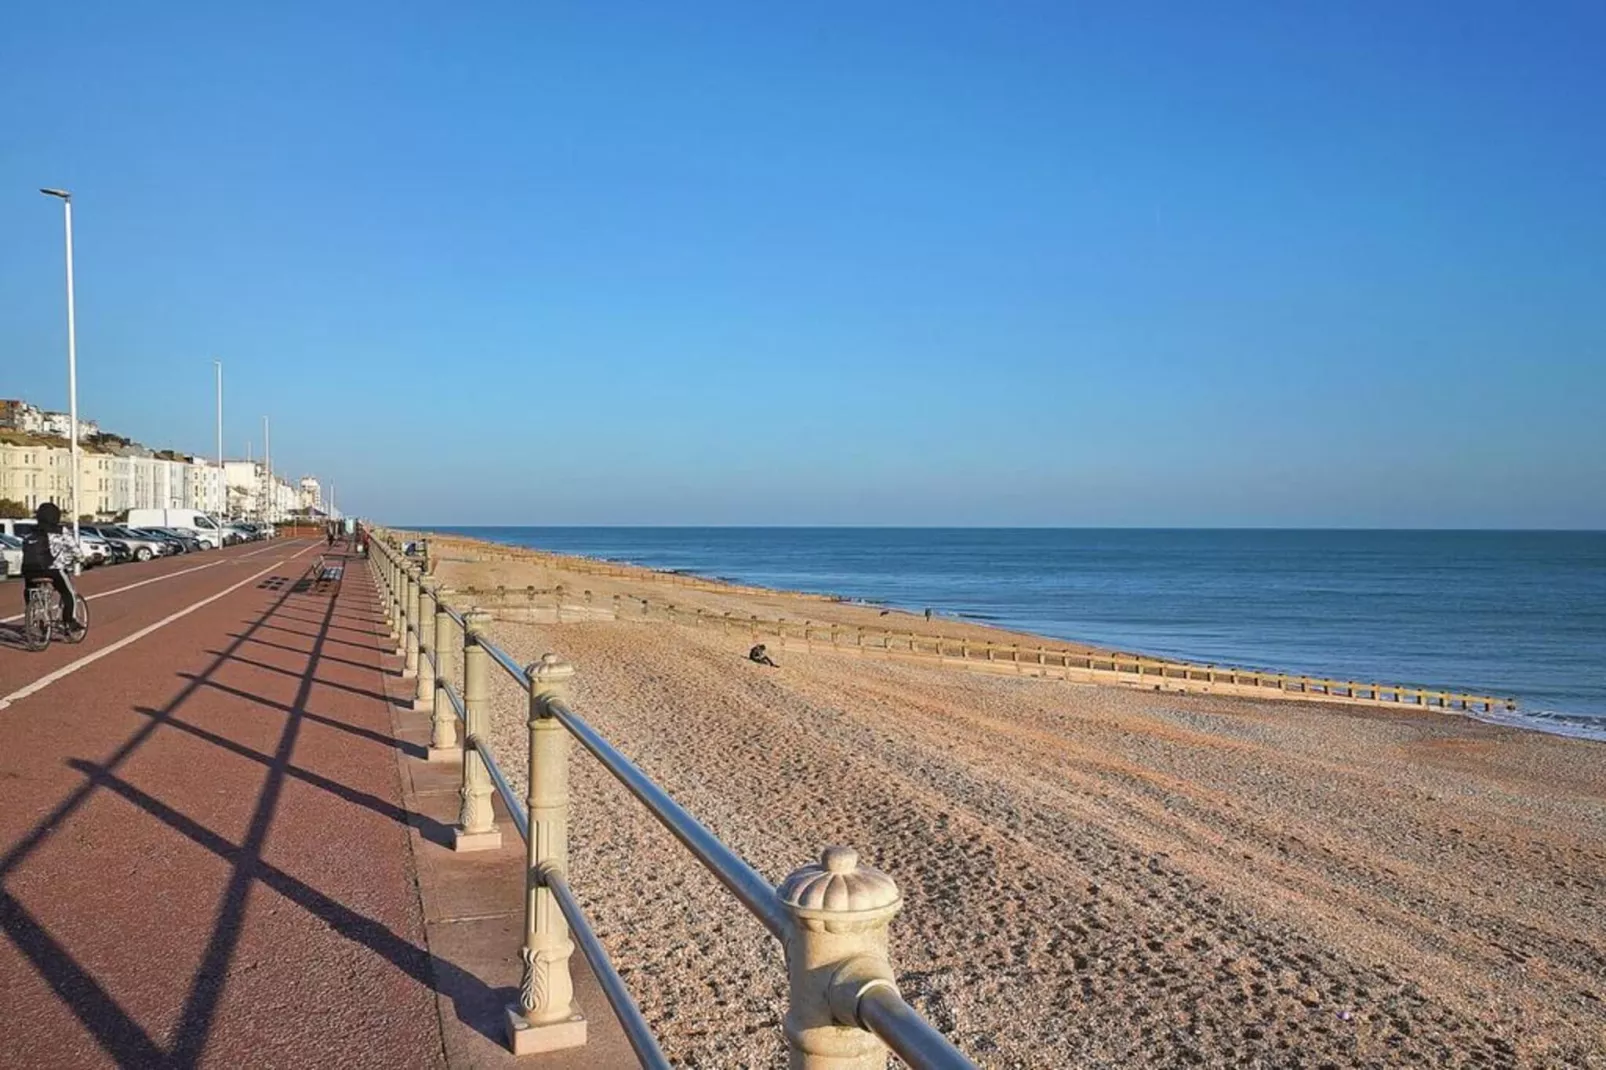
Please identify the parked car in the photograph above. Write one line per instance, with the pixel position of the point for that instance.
(121, 551)
(142, 547)
(191, 543)
(10, 556)
(95, 549)
(170, 544)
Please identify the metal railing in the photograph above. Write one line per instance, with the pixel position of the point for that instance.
(845, 1011)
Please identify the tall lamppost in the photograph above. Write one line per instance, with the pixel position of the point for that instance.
(222, 475)
(267, 465)
(72, 354)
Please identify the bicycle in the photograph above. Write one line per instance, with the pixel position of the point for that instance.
(43, 617)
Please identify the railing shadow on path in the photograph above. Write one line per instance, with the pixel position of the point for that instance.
(297, 650)
(113, 1028)
(412, 750)
(350, 689)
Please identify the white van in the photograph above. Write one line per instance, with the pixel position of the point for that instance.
(190, 521)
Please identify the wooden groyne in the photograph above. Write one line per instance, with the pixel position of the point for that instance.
(561, 604)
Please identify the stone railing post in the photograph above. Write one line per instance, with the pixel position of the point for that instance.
(424, 624)
(387, 583)
(411, 580)
(398, 621)
(395, 596)
(546, 1017)
(837, 951)
(476, 822)
(443, 744)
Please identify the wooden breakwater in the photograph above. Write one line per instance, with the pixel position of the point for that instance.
(561, 604)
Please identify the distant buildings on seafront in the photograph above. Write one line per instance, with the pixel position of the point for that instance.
(116, 474)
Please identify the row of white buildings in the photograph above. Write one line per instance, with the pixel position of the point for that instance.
(32, 420)
(113, 477)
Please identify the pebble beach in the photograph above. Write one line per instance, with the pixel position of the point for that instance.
(1093, 876)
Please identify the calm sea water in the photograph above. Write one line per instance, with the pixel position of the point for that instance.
(1507, 613)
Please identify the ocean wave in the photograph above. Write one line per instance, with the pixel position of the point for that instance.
(1550, 722)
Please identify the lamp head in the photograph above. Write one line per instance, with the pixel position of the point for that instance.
(63, 194)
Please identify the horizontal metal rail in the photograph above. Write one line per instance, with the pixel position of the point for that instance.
(509, 666)
(899, 1026)
(881, 1009)
(613, 986)
(515, 807)
(743, 880)
(455, 699)
(624, 1006)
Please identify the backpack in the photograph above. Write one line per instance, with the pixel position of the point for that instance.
(36, 556)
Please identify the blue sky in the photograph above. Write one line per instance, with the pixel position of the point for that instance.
(887, 263)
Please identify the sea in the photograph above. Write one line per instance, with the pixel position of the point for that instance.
(1508, 613)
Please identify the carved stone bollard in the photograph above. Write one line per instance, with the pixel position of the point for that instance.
(837, 951)
(546, 1017)
(476, 823)
(424, 624)
(388, 569)
(396, 622)
(443, 744)
(410, 629)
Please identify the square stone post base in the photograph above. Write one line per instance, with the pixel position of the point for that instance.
(526, 1039)
(445, 754)
(476, 841)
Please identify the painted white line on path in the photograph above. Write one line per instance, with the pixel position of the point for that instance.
(89, 659)
(155, 579)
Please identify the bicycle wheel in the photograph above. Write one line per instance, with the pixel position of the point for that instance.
(80, 612)
(36, 623)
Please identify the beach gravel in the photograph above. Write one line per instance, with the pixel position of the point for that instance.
(1093, 876)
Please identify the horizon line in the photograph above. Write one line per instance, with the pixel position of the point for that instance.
(1010, 527)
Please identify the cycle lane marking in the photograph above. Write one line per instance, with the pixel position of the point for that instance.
(89, 659)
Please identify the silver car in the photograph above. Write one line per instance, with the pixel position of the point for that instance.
(95, 549)
(10, 555)
(142, 546)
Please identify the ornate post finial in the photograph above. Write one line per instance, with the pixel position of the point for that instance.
(837, 952)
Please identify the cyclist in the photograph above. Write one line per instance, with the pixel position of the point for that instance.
(48, 553)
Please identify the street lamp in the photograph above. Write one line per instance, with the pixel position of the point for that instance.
(222, 477)
(72, 354)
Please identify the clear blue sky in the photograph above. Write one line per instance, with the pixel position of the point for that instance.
(896, 263)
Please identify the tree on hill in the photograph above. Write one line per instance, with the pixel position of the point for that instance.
(13, 510)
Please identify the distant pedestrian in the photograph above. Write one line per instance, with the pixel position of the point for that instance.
(928, 612)
(758, 655)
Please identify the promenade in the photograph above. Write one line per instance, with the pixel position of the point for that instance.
(204, 859)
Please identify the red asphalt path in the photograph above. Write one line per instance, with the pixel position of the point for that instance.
(203, 855)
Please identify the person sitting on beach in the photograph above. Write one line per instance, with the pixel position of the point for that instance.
(760, 656)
